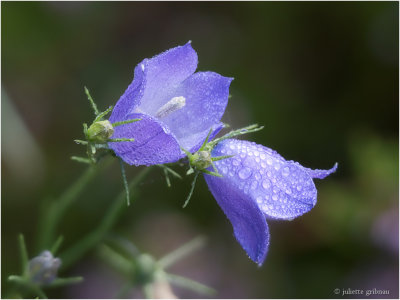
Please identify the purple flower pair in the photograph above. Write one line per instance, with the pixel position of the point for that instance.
(178, 108)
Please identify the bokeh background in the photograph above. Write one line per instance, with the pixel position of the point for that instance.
(322, 78)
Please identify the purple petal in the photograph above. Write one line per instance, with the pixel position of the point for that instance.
(154, 143)
(321, 174)
(206, 95)
(249, 225)
(193, 142)
(164, 73)
(282, 189)
(131, 97)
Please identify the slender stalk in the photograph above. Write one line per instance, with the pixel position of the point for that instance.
(76, 251)
(191, 189)
(34, 289)
(24, 253)
(186, 249)
(52, 214)
(65, 281)
(189, 284)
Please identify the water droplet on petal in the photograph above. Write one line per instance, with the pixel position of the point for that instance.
(244, 173)
(269, 161)
(254, 185)
(274, 197)
(266, 184)
(285, 171)
(262, 156)
(259, 199)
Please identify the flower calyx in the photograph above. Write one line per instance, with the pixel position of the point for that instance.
(99, 133)
(202, 159)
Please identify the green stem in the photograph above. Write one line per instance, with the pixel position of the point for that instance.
(34, 289)
(186, 249)
(76, 251)
(189, 284)
(52, 214)
(24, 253)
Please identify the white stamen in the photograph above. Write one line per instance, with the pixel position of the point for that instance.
(171, 106)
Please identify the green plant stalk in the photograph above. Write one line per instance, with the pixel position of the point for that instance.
(76, 251)
(186, 249)
(52, 215)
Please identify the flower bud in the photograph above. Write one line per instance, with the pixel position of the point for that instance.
(43, 268)
(201, 160)
(100, 131)
(145, 268)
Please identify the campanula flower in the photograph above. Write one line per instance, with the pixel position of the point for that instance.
(257, 183)
(176, 106)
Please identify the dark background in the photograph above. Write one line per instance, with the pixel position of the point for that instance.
(322, 78)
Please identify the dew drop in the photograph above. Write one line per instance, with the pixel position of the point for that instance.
(262, 156)
(299, 187)
(244, 173)
(254, 185)
(263, 165)
(256, 153)
(274, 197)
(285, 171)
(235, 162)
(269, 161)
(266, 184)
(259, 199)
(277, 167)
(224, 170)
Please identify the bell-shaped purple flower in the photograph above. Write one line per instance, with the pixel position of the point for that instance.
(177, 108)
(258, 183)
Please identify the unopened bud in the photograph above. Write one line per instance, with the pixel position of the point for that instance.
(100, 131)
(43, 268)
(145, 268)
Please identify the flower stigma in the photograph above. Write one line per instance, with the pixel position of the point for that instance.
(171, 106)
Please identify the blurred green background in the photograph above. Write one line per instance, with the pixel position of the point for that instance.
(322, 78)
